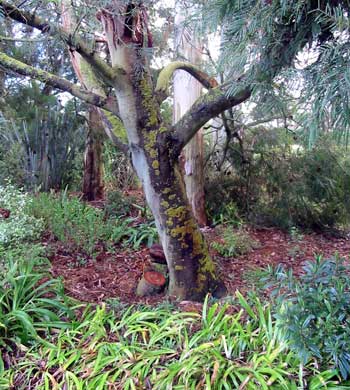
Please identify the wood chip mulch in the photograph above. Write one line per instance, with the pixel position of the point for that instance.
(115, 275)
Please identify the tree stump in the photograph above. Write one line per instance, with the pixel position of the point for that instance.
(151, 283)
(161, 268)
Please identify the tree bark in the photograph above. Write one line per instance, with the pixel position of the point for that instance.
(93, 160)
(186, 91)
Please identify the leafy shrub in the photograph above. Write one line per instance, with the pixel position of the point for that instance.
(20, 225)
(82, 227)
(163, 349)
(117, 205)
(314, 311)
(73, 222)
(234, 243)
(281, 185)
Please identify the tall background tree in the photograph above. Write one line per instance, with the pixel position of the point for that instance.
(187, 89)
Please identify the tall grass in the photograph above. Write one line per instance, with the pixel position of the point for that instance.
(31, 303)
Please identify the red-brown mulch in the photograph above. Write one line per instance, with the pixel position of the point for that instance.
(277, 247)
(115, 275)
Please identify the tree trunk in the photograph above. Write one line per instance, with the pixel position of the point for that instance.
(93, 161)
(93, 185)
(191, 269)
(186, 91)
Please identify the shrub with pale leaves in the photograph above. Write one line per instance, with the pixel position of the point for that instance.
(19, 226)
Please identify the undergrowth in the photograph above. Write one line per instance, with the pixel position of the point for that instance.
(82, 227)
(233, 242)
(161, 349)
(244, 344)
(313, 311)
(21, 225)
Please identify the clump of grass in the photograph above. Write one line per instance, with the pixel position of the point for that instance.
(31, 303)
(234, 243)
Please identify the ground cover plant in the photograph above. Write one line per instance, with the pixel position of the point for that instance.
(314, 311)
(21, 225)
(162, 349)
(82, 227)
(50, 342)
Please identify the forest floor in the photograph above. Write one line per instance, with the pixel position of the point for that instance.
(114, 276)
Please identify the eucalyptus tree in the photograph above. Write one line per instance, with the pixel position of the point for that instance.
(187, 89)
(268, 36)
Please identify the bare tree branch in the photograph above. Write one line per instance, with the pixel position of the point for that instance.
(109, 130)
(108, 73)
(205, 108)
(167, 72)
(13, 65)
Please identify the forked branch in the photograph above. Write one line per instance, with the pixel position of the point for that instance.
(205, 108)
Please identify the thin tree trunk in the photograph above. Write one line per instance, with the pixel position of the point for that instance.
(186, 91)
(93, 184)
(93, 160)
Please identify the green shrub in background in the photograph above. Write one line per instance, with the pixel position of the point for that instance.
(82, 227)
(234, 243)
(41, 140)
(20, 226)
(118, 205)
(313, 311)
(283, 184)
(119, 173)
(75, 223)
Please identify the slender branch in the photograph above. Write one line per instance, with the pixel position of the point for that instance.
(29, 40)
(168, 71)
(12, 65)
(108, 73)
(205, 108)
(109, 130)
